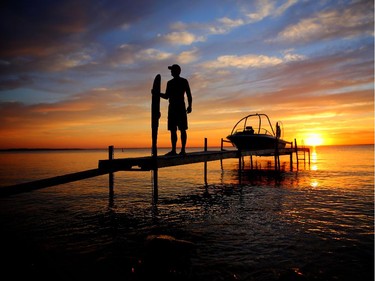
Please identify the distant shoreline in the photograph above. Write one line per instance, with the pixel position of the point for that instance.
(64, 149)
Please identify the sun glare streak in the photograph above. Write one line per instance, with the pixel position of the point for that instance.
(314, 159)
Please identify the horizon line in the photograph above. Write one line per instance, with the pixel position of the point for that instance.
(163, 147)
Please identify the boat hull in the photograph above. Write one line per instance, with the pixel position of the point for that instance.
(255, 142)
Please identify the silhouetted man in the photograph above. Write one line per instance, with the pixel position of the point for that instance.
(177, 111)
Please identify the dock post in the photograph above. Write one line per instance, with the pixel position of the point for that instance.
(221, 149)
(291, 161)
(277, 157)
(110, 174)
(155, 185)
(309, 156)
(205, 163)
(205, 173)
(291, 156)
(155, 177)
(240, 163)
(110, 152)
(296, 150)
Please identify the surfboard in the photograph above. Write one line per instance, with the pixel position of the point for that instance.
(155, 112)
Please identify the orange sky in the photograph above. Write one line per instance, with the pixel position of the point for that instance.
(84, 80)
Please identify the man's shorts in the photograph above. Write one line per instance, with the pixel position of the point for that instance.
(177, 117)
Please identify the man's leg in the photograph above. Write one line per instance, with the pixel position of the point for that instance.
(174, 140)
(183, 140)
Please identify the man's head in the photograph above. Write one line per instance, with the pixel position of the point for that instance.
(175, 70)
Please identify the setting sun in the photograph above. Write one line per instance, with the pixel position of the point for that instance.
(314, 140)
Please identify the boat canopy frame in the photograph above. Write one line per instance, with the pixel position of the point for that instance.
(259, 115)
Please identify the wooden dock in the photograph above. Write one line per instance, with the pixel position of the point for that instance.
(151, 163)
(52, 181)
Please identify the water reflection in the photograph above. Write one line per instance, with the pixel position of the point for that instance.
(314, 183)
(314, 159)
(314, 155)
(251, 231)
(314, 167)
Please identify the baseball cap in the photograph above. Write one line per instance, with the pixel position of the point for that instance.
(175, 67)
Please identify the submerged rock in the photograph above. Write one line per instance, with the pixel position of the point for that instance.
(165, 257)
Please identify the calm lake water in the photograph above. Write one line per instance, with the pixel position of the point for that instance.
(313, 223)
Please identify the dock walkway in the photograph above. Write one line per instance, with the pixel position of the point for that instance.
(149, 163)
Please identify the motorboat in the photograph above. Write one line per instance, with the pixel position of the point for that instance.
(255, 132)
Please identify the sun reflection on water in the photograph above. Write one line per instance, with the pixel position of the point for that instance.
(314, 166)
(314, 183)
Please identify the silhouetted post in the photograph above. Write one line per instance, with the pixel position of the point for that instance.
(240, 167)
(221, 149)
(155, 178)
(110, 174)
(205, 162)
(277, 157)
(110, 152)
(155, 186)
(296, 150)
(309, 155)
(205, 173)
(291, 161)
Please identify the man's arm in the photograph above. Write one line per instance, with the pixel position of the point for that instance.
(166, 94)
(189, 98)
(162, 95)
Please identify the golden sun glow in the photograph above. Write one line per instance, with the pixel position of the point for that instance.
(314, 139)
(97, 93)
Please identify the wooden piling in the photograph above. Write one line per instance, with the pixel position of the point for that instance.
(276, 155)
(111, 179)
(205, 162)
(110, 152)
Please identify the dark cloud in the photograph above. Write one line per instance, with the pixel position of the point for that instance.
(8, 83)
(40, 28)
